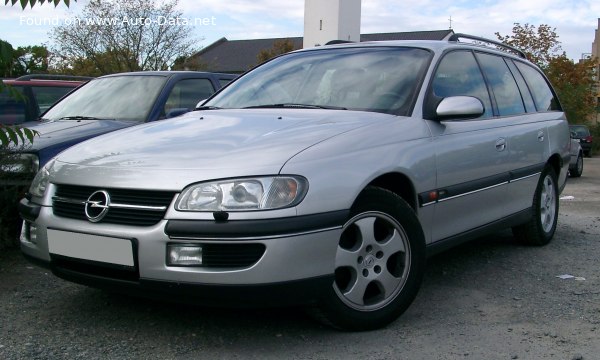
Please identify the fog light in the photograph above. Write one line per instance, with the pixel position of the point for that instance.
(184, 255)
(28, 232)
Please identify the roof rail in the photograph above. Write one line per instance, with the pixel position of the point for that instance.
(334, 42)
(457, 36)
(53, 77)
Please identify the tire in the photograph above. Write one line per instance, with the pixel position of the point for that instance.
(379, 264)
(578, 170)
(540, 229)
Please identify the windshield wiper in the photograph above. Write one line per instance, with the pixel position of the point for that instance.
(295, 106)
(207, 108)
(79, 117)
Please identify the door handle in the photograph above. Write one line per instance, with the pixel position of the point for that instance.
(541, 136)
(501, 144)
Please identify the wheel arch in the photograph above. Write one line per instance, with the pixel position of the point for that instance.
(399, 184)
(556, 162)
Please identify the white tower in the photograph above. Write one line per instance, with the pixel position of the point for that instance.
(326, 20)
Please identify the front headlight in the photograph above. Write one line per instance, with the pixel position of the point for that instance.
(20, 163)
(260, 193)
(40, 181)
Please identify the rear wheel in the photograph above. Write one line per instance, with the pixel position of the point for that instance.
(540, 229)
(379, 264)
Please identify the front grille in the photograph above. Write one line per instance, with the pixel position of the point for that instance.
(69, 201)
(231, 255)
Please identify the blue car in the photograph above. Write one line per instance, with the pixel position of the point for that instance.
(110, 103)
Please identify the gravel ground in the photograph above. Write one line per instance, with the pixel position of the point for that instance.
(489, 299)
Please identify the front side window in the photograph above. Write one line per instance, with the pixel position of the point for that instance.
(47, 95)
(505, 89)
(128, 98)
(367, 79)
(458, 75)
(187, 93)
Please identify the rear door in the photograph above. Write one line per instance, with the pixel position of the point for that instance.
(531, 134)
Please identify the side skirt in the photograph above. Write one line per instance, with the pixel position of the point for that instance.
(507, 222)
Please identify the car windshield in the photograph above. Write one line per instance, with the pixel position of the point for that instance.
(116, 97)
(581, 131)
(381, 79)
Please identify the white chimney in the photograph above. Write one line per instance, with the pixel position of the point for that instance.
(326, 20)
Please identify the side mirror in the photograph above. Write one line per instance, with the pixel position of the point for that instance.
(462, 107)
(573, 134)
(176, 112)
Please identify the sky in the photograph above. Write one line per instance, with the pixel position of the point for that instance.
(575, 20)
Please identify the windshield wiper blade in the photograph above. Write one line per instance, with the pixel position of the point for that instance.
(295, 106)
(79, 117)
(207, 108)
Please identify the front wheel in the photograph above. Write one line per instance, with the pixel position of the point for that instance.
(540, 229)
(379, 264)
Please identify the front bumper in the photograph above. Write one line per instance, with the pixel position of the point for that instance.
(296, 264)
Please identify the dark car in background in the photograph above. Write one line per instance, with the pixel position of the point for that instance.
(582, 134)
(109, 103)
(25, 98)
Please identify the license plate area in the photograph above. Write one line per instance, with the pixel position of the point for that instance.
(98, 249)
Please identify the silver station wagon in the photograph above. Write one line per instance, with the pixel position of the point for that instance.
(324, 177)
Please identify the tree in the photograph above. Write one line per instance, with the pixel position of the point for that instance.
(189, 63)
(279, 47)
(126, 35)
(540, 44)
(31, 60)
(574, 84)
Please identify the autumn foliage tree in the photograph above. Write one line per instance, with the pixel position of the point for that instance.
(540, 44)
(573, 82)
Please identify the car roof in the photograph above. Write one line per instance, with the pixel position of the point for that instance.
(168, 73)
(437, 46)
(39, 82)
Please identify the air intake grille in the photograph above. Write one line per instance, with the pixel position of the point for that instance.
(127, 207)
(231, 255)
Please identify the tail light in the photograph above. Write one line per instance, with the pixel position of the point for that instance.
(588, 138)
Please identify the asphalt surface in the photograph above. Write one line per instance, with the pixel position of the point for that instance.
(490, 299)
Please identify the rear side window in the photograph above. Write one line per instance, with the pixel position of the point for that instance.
(525, 94)
(46, 96)
(505, 89)
(458, 75)
(540, 90)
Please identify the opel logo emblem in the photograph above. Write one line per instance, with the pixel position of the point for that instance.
(97, 206)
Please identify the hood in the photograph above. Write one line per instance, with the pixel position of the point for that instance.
(216, 139)
(71, 131)
(204, 145)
